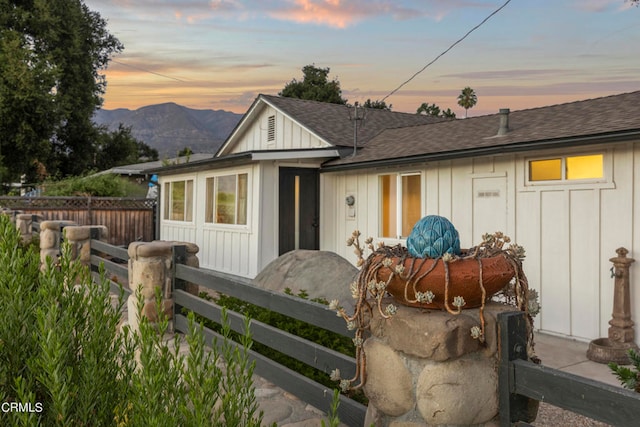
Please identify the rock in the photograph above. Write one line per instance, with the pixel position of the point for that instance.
(389, 382)
(428, 334)
(321, 274)
(460, 392)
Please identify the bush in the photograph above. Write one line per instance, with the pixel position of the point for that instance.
(105, 185)
(64, 360)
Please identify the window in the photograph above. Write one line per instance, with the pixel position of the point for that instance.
(227, 199)
(178, 200)
(567, 168)
(400, 204)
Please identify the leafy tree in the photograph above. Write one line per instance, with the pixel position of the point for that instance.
(428, 109)
(448, 114)
(315, 85)
(51, 54)
(467, 99)
(379, 105)
(121, 148)
(435, 111)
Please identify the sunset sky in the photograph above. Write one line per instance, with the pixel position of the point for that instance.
(220, 54)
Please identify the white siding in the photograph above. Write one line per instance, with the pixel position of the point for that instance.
(570, 231)
(228, 248)
(288, 135)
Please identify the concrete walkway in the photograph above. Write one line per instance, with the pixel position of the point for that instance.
(571, 356)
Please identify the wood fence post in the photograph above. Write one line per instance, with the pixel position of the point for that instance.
(512, 330)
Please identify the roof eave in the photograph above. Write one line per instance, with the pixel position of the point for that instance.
(493, 150)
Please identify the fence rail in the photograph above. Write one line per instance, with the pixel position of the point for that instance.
(324, 359)
(521, 380)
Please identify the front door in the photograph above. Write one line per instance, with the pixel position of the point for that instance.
(299, 209)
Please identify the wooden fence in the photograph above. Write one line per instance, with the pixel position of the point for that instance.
(127, 219)
(324, 359)
(520, 379)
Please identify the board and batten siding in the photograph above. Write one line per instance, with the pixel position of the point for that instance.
(227, 248)
(569, 230)
(288, 135)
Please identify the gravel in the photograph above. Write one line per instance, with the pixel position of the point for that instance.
(552, 416)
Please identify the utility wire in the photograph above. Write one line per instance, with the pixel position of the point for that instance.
(148, 71)
(448, 49)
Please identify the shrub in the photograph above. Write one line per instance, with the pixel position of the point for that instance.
(628, 377)
(105, 185)
(61, 352)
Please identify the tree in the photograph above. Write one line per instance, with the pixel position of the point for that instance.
(119, 148)
(435, 111)
(467, 99)
(315, 85)
(51, 55)
(377, 105)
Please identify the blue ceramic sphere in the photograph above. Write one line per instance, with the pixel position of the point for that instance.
(432, 237)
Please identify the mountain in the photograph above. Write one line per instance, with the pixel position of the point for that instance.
(171, 127)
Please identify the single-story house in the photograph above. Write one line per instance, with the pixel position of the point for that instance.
(561, 181)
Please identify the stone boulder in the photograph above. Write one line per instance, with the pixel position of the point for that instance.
(321, 274)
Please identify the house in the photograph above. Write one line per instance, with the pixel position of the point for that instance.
(560, 180)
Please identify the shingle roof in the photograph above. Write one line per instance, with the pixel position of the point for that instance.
(334, 124)
(551, 125)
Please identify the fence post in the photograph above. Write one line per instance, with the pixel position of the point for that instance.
(51, 239)
(512, 330)
(79, 237)
(24, 223)
(150, 265)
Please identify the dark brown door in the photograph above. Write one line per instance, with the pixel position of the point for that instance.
(299, 209)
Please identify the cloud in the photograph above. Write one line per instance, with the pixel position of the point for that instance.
(341, 13)
(510, 74)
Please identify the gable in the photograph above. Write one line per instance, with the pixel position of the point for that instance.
(265, 128)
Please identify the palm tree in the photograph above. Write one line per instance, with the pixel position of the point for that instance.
(467, 99)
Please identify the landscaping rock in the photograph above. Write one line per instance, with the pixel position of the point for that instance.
(321, 274)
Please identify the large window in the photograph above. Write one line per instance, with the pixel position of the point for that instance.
(400, 204)
(178, 200)
(567, 168)
(227, 199)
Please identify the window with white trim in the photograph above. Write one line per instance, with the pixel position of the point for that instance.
(400, 204)
(227, 198)
(178, 200)
(566, 168)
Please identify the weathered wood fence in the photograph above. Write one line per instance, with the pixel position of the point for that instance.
(324, 359)
(520, 379)
(127, 219)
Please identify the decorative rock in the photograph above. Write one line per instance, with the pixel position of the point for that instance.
(428, 334)
(79, 238)
(321, 274)
(440, 387)
(389, 382)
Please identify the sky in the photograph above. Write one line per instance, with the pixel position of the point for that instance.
(220, 54)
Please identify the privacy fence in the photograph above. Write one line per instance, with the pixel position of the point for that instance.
(521, 382)
(127, 219)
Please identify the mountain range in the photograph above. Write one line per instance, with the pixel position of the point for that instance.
(170, 127)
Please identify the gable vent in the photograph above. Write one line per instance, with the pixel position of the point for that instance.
(271, 129)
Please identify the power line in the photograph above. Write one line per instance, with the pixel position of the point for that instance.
(448, 49)
(148, 71)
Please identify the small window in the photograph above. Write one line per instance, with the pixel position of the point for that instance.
(271, 129)
(567, 168)
(400, 204)
(178, 200)
(227, 199)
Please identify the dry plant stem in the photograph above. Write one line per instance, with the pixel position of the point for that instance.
(446, 290)
(484, 297)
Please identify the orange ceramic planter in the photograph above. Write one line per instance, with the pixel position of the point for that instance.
(464, 279)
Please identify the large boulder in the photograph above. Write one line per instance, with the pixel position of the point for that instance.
(321, 274)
